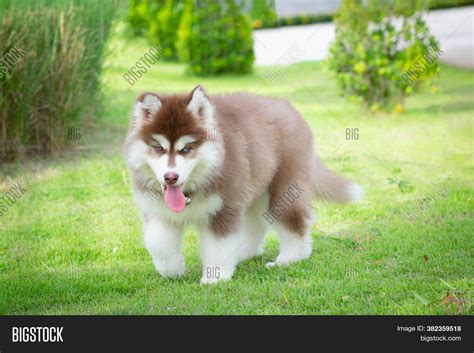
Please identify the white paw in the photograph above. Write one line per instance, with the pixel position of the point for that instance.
(205, 280)
(213, 274)
(173, 267)
(272, 264)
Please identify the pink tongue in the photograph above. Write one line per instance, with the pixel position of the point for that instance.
(174, 198)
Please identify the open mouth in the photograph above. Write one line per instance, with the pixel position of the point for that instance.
(175, 198)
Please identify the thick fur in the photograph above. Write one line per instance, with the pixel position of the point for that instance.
(249, 154)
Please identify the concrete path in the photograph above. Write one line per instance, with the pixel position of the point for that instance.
(287, 45)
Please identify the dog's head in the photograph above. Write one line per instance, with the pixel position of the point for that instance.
(176, 137)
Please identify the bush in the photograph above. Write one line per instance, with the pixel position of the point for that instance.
(263, 13)
(303, 20)
(164, 25)
(377, 60)
(139, 17)
(157, 20)
(220, 39)
(52, 81)
(184, 31)
(441, 4)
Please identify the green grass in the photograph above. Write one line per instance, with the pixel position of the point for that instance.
(71, 245)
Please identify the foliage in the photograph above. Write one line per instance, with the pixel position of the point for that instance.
(303, 20)
(263, 13)
(220, 39)
(440, 4)
(403, 185)
(54, 84)
(184, 31)
(163, 27)
(383, 52)
(157, 20)
(139, 17)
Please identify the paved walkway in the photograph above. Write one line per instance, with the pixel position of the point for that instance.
(286, 45)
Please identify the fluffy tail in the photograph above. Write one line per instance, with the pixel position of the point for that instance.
(332, 187)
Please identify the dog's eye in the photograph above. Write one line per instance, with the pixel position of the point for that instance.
(159, 148)
(186, 149)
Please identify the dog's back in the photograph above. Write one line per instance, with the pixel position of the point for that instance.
(269, 147)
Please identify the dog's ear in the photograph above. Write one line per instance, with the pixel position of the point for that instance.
(199, 104)
(147, 105)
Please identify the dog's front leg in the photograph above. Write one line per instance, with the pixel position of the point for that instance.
(163, 242)
(220, 255)
(220, 249)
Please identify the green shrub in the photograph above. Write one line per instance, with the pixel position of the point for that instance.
(441, 4)
(263, 13)
(158, 21)
(184, 31)
(54, 83)
(220, 39)
(164, 25)
(293, 21)
(139, 17)
(377, 61)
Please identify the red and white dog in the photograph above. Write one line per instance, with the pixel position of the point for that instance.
(231, 165)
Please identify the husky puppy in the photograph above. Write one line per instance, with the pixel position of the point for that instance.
(231, 165)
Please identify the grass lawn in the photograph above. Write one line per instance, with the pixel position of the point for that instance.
(72, 244)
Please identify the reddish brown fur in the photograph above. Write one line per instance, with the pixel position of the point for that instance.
(173, 120)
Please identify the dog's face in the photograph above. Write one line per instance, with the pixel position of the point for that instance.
(173, 141)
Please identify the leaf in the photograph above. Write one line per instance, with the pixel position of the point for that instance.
(396, 170)
(405, 186)
(390, 180)
(446, 283)
(447, 299)
(402, 183)
(421, 299)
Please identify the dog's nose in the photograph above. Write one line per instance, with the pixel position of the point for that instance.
(171, 178)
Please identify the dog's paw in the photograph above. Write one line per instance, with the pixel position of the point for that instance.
(210, 275)
(171, 268)
(277, 263)
(272, 264)
(205, 280)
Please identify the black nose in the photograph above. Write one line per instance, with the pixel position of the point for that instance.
(171, 178)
